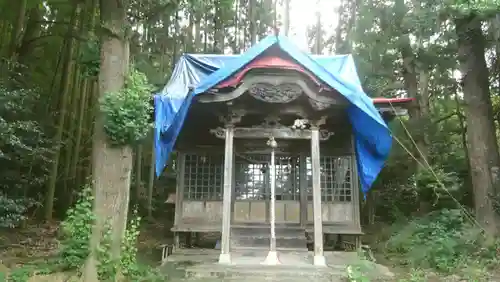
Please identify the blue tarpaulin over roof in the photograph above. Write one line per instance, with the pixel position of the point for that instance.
(195, 74)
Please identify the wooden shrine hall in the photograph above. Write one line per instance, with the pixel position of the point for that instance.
(267, 153)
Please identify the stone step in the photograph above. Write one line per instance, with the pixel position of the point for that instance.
(264, 232)
(263, 243)
(264, 273)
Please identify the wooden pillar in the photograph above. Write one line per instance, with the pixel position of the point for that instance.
(225, 255)
(179, 195)
(303, 189)
(272, 256)
(319, 258)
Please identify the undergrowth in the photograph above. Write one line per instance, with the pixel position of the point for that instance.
(75, 249)
(444, 241)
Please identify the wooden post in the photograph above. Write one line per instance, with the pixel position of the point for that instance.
(303, 189)
(179, 195)
(355, 183)
(273, 202)
(319, 258)
(272, 256)
(225, 255)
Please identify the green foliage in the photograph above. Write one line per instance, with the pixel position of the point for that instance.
(21, 274)
(127, 113)
(403, 194)
(128, 265)
(437, 186)
(444, 240)
(77, 229)
(359, 271)
(415, 275)
(21, 137)
(129, 245)
(466, 7)
(12, 211)
(354, 274)
(89, 57)
(24, 147)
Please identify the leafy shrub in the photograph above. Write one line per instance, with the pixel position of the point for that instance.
(127, 113)
(24, 147)
(443, 240)
(442, 193)
(89, 56)
(11, 211)
(400, 199)
(77, 230)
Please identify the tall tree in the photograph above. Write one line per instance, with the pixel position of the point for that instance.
(111, 165)
(66, 80)
(483, 146)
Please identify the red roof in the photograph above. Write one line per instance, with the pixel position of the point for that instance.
(281, 63)
(392, 100)
(266, 62)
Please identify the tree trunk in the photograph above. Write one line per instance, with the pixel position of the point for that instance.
(253, 22)
(416, 84)
(463, 135)
(218, 29)
(286, 18)
(175, 38)
(86, 24)
(73, 101)
(483, 147)
(236, 49)
(188, 44)
(197, 32)
(65, 87)
(17, 29)
(151, 180)
(93, 94)
(138, 175)
(318, 40)
(112, 166)
(77, 182)
(77, 99)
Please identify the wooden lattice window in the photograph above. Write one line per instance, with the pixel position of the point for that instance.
(203, 177)
(287, 178)
(252, 177)
(336, 178)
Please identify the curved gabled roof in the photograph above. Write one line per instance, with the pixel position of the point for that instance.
(201, 73)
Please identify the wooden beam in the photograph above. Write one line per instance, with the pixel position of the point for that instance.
(278, 133)
(273, 80)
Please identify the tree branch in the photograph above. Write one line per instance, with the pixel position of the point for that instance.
(446, 117)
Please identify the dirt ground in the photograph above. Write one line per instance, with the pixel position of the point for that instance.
(39, 243)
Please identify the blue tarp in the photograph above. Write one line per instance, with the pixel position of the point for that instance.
(195, 74)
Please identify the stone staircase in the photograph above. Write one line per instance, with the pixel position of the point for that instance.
(257, 237)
